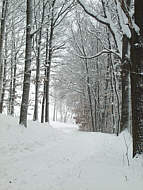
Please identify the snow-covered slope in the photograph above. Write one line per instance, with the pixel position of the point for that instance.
(62, 158)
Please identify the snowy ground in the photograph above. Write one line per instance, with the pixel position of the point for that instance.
(63, 158)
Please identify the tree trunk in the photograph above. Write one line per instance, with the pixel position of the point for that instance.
(49, 61)
(47, 77)
(125, 77)
(112, 100)
(13, 85)
(137, 98)
(35, 116)
(98, 90)
(4, 86)
(54, 113)
(89, 97)
(126, 85)
(115, 88)
(4, 76)
(2, 31)
(95, 114)
(43, 103)
(137, 80)
(27, 70)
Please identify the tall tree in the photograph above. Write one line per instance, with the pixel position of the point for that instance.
(38, 57)
(27, 70)
(4, 74)
(2, 31)
(126, 85)
(49, 59)
(137, 79)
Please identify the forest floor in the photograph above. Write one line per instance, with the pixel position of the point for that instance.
(59, 157)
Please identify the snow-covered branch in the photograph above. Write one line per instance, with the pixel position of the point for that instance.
(90, 12)
(107, 20)
(104, 51)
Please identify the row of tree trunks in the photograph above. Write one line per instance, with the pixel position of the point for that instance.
(48, 62)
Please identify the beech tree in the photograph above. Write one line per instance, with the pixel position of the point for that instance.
(27, 70)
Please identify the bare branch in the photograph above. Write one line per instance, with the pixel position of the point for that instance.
(90, 12)
(100, 53)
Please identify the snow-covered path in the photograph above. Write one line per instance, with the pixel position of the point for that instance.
(63, 158)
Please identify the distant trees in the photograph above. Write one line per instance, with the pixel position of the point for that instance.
(57, 12)
(91, 82)
(123, 38)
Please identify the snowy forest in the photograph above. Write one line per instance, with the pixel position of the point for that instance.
(73, 60)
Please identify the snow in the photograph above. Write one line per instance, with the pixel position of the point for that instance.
(43, 157)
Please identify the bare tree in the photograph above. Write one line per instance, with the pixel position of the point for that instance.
(2, 32)
(27, 70)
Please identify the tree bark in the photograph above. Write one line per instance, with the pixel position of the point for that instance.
(126, 85)
(35, 116)
(137, 80)
(115, 89)
(11, 83)
(49, 61)
(4, 75)
(14, 85)
(27, 70)
(54, 113)
(2, 31)
(125, 77)
(43, 102)
(89, 97)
